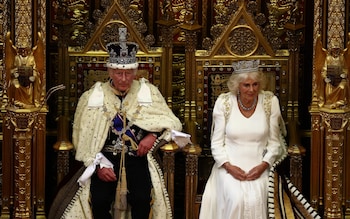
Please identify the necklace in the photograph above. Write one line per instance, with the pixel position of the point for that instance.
(244, 107)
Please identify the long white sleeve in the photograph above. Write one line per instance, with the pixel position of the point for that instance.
(273, 142)
(218, 132)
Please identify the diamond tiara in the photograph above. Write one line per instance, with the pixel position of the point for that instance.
(122, 54)
(247, 66)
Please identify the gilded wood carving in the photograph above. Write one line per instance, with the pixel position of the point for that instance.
(25, 74)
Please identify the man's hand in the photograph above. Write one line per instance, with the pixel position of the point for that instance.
(256, 172)
(146, 144)
(106, 174)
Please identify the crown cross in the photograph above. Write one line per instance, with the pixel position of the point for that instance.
(122, 54)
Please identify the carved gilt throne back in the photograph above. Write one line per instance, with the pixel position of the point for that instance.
(245, 37)
(241, 39)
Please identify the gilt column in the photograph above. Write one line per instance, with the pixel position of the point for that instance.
(191, 27)
(24, 110)
(169, 151)
(336, 124)
(295, 150)
(192, 152)
(167, 24)
(329, 185)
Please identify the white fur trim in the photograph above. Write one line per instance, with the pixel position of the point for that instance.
(144, 96)
(96, 98)
(123, 66)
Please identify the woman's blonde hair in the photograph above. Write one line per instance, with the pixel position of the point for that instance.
(236, 78)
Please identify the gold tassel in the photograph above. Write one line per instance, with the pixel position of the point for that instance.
(123, 191)
(134, 145)
(121, 202)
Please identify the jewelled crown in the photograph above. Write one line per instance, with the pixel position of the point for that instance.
(122, 54)
(248, 66)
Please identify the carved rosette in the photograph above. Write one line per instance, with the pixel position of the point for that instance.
(109, 33)
(242, 41)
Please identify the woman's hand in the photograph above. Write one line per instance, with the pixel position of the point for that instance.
(146, 144)
(256, 172)
(235, 171)
(106, 174)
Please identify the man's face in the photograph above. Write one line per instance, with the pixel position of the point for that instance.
(122, 78)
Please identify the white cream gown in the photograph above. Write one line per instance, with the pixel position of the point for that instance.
(244, 142)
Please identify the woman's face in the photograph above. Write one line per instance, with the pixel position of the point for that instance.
(249, 89)
(122, 78)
